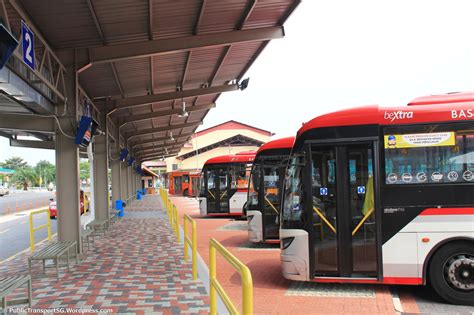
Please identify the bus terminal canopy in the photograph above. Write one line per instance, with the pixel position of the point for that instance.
(150, 70)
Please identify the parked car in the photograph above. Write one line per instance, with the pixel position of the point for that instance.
(4, 191)
(53, 211)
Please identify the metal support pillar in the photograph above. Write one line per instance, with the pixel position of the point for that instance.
(101, 181)
(116, 170)
(123, 178)
(129, 183)
(134, 184)
(67, 168)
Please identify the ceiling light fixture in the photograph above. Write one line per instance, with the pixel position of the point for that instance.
(183, 113)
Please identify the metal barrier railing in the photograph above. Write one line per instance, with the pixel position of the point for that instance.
(34, 229)
(215, 286)
(190, 242)
(170, 212)
(176, 223)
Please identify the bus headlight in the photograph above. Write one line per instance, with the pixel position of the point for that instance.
(285, 242)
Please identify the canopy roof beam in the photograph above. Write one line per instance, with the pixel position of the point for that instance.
(161, 129)
(109, 53)
(49, 145)
(154, 157)
(159, 140)
(140, 117)
(130, 102)
(157, 155)
(164, 145)
(27, 123)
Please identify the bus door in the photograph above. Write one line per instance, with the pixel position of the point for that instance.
(271, 200)
(194, 186)
(177, 185)
(343, 231)
(185, 185)
(217, 186)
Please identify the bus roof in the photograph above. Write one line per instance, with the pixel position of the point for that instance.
(283, 143)
(232, 158)
(441, 108)
(458, 97)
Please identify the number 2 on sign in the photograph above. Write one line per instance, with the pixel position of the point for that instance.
(28, 56)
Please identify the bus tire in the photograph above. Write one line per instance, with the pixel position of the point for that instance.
(451, 272)
(186, 192)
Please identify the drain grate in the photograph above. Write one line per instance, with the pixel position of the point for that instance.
(330, 290)
(234, 226)
(259, 246)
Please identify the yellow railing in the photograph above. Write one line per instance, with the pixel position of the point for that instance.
(190, 242)
(176, 223)
(172, 212)
(215, 286)
(169, 208)
(34, 229)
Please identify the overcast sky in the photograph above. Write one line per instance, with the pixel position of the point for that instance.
(339, 54)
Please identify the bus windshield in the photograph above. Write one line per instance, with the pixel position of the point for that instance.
(292, 208)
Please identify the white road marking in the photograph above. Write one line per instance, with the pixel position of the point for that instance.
(23, 222)
(4, 231)
(26, 249)
(397, 304)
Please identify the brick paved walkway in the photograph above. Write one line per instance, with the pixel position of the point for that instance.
(137, 268)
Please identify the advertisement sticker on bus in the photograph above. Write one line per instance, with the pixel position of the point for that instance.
(419, 140)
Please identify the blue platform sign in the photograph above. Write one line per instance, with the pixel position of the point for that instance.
(28, 45)
(361, 189)
(323, 191)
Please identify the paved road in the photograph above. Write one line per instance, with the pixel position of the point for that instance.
(429, 303)
(15, 233)
(24, 201)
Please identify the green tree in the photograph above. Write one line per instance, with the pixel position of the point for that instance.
(46, 173)
(14, 163)
(24, 177)
(84, 170)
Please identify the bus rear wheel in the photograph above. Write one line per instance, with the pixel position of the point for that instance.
(451, 273)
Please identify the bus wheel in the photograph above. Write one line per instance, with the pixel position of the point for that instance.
(451, 273)
(186, 192)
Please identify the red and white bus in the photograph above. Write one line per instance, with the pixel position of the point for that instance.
(264, 194)
(224, 184)
(384, 195)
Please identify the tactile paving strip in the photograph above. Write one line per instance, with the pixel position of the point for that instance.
(259, 246)
(330, 290)
(234, 226)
